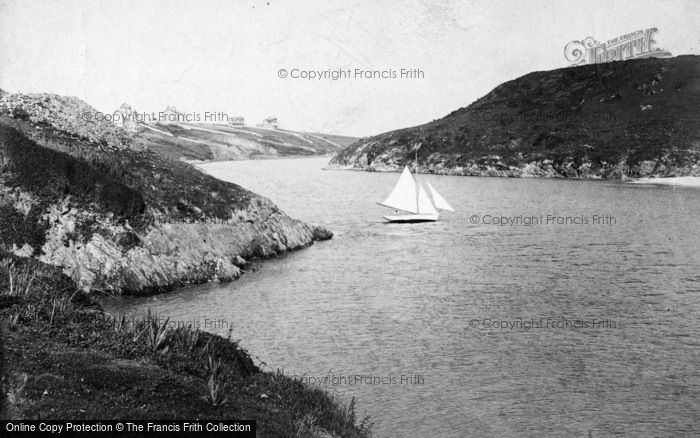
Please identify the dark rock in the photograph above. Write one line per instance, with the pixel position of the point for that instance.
(241, 262)
(321, 233)
(127, 239)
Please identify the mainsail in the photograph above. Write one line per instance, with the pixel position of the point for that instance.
(404, 196)
(438, 200)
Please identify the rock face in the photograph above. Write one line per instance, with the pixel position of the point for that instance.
(623, 119)
(120, 217)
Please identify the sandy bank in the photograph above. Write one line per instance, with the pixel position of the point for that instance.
(685, 181)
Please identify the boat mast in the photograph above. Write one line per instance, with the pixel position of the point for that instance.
(417, 184)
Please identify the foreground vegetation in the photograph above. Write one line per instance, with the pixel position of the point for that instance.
(64, 358)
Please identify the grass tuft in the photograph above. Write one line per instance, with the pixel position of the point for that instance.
(216, 386)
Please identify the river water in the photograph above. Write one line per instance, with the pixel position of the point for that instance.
(586, 322)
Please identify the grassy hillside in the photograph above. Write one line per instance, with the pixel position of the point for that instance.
(123, 182)
(340, 140)
(631, 118)
(213, 142)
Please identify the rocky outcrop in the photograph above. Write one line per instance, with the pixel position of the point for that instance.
(69, 115)
(635, 118)
(118, 257)
(119, 217)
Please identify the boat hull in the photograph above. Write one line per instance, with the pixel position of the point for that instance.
(411, 218)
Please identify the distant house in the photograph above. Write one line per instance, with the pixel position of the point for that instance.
(170, 116)
(236, 121)
(270, 123)
(125, 117)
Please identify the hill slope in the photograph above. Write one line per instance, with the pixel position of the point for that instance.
(217, 142)
(633, 118)
(118, 216)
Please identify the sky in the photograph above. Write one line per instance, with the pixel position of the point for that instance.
(226, 56)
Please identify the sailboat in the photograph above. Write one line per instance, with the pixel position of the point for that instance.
(410, 197)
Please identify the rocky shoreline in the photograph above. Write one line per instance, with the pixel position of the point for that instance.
(442, 164)
(118, 217)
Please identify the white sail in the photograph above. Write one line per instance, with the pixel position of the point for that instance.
(439, 201)
(403, 197)
(424, 203)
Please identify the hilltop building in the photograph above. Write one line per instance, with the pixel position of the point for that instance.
(171, 116)
(125, 117)
(270, 123)
(236, 121)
